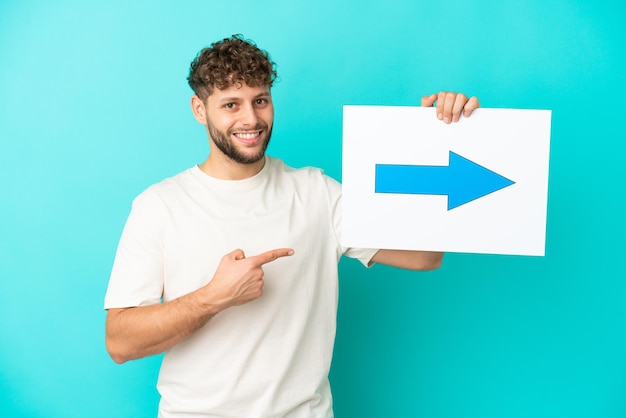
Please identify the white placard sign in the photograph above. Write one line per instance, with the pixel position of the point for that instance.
(477, 186)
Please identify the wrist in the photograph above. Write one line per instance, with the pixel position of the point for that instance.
(209, 303)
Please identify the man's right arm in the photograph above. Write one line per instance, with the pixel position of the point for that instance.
(137, 332)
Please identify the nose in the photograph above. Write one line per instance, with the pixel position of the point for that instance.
(249, 116)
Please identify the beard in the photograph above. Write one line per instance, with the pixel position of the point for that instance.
(225, 144)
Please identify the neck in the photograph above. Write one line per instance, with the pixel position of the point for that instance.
(227, 169)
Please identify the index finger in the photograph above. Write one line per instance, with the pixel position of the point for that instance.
(471, 105)
(270, 256)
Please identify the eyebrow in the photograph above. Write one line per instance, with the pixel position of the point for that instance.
(236, 99)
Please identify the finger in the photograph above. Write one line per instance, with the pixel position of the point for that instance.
(270, 256)
(471, 105)
(237, 254)
(428, 101)
(441, 99)
(448, 104)
(457, 108)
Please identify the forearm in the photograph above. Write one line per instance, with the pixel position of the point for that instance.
(410, 260)
(137, 332)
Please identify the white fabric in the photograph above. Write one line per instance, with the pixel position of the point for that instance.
(267, 358)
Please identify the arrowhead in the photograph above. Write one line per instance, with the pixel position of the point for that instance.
(471, 181)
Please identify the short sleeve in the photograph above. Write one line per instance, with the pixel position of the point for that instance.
(364, 255)
(137, 274)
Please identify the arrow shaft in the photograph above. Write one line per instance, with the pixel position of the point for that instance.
(410, 179)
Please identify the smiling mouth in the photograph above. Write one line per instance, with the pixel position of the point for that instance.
(249, 138)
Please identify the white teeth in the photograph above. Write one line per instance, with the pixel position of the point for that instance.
(247, 136)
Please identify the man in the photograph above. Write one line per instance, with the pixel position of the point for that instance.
(230, 267)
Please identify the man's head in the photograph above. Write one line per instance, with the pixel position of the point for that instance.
(228, 62)
(232, 81)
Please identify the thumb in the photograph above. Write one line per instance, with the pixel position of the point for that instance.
(237, 254)
(428, 101)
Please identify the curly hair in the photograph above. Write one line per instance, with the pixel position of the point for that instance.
(230, 61)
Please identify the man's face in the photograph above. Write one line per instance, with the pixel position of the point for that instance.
(239, 120)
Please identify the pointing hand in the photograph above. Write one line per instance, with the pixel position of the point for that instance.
(239, 279)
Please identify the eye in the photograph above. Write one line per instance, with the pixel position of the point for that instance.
(262, 102)
(229, 105)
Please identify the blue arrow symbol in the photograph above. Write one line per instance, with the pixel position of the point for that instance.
(462, 180)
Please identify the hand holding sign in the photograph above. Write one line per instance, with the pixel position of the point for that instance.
(450, 105)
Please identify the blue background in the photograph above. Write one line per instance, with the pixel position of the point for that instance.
(94, 108)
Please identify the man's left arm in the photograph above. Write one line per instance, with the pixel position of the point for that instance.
(449, 108)
(409, 260)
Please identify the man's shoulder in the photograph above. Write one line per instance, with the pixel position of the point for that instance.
(310, 181)
(278, 166)
(168, 186)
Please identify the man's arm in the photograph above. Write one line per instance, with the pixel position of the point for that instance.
(449, 107)
(409, 260)
(137, 332)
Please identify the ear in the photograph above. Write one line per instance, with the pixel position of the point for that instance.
(198, 109)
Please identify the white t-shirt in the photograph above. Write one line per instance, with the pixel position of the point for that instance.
(266, 358)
